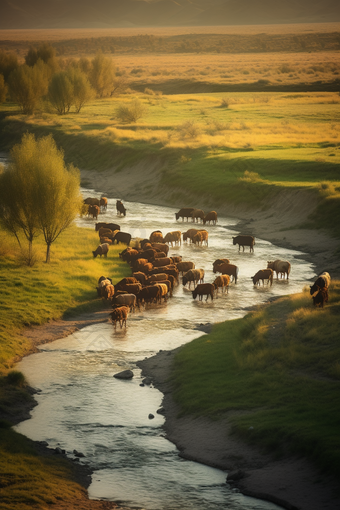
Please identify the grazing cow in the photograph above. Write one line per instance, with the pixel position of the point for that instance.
(149, 294)
(156, 237)
(122, 237)
(186, 212)
(198, 239)
(222, 281)
(218, 262)
(120, 208)
(102, 283)
(157, 277)
(102, 278)
(322, 282)
(193, 275)
(125, 300)
(120, 315)
(125, 281)
(105, 232)
(184, 266)
(204, 289)
(197, 214)
(281, 267)
(103, 203)
(140, 277)
(189, 234)
(263, 274)
(92, 201)
(101, 250)
(174, 237)
(321, 297)
(107, 292)
(164, 289)
(131, 288)
(162, 247)
(244, 241)
(211, 216)
(93, 211)
(229, 269)
(129, 255)
(110, 226)
(164, 261)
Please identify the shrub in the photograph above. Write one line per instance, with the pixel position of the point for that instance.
(16, 378)
(189, 129)
(131, 113)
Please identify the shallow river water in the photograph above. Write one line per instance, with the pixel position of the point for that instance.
(83, 407)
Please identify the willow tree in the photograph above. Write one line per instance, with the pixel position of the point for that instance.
(47, 192)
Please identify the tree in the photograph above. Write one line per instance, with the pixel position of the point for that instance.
(60, 92)
(44, 52)
(102, 75)
(82, 90)
(27, 85)
(3, 89)
(38, 193)
(69, 88)
(8, 62)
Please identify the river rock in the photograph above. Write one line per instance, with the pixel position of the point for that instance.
(78, 454)
(151, 416)
(126, 374)
(147, 381)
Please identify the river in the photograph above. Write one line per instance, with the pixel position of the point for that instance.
(82, 406)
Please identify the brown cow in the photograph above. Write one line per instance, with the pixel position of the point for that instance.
(189, 234)
(321, 297)
(211, 216)
(92, 201)
(102, 249)
(222, 281)
(197, 214)
(93, 211)
(174, 237)
(184, 266)
(204, 289)
(281, 267)
(148, 294)
(193, 275)
(124, 300)
(263, 274)
(185, 212)
(156, 237)
(229, 269)
(120, 315)
(244, 241)
(120, 208)
(103, 203)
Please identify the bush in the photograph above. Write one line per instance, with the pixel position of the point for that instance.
(16, 378)
(135, 111)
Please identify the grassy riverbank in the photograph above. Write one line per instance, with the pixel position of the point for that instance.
(241, 149)
(277, 371)
(32, 296)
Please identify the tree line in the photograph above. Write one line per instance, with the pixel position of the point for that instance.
(62, 85)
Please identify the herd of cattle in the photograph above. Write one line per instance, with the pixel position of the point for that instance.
(155, 273)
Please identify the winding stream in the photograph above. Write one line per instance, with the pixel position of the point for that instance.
(83, 407)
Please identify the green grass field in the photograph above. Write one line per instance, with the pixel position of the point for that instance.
(239, 148)
(278, 370)
(34, 295)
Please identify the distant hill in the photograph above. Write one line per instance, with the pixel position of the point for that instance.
(143, 13)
